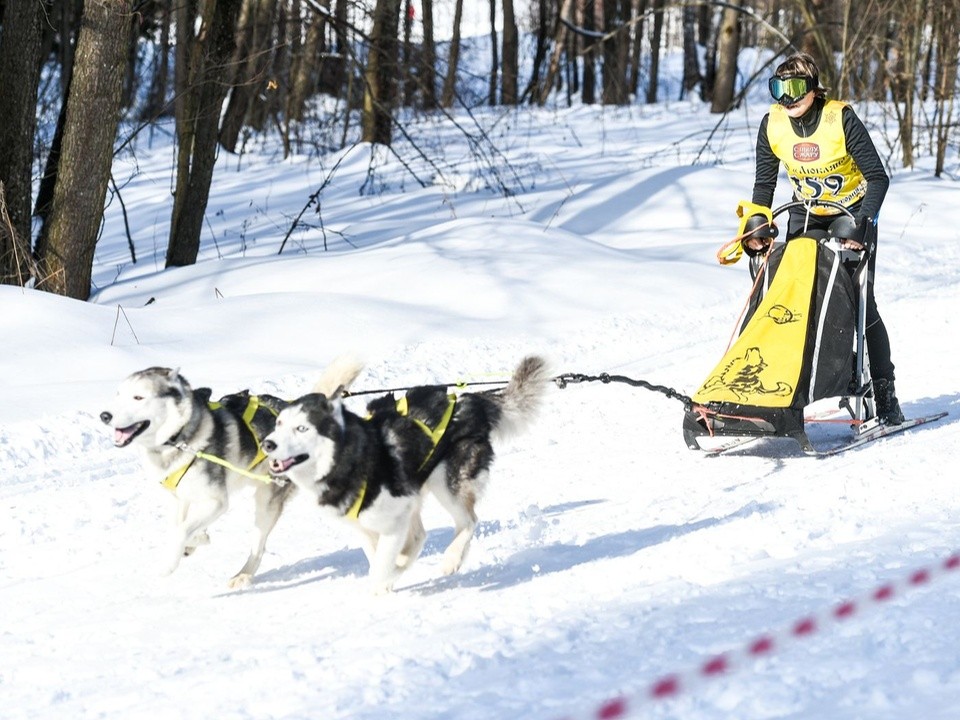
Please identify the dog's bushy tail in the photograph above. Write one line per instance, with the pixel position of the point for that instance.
(338, 375)
(520, 400)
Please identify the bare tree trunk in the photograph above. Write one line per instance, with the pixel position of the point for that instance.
(87, 153)
(409, 64)
(946, 20)
(819, 38)
(691, 64)
(494, 57)
(571, 68)
(208, 54)
(251, 60)
(380, 93)
(637, 53)
(558, 45)
(904, 85)
(588, 92)
(453, 60)
(709, 55)
(48, 181)
(511, 50)
(270, 103)
(305, 71)
(541, 51)
(615, 18)
(704, 23)
(428, 58)
(728, 49)
(19, 80)
(133, 75)
(68, 16)
(157, 95)
(656, 41)
(623, 50)
(338, 73)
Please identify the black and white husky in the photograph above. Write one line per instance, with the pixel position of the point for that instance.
(204, 451)
(375, 471)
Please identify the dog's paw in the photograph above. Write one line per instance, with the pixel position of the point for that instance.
(381, 588)
(240, 581)
(201, 538)
(170, 558)
(450, 564)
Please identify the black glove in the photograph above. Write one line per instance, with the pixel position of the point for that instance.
(757, 228)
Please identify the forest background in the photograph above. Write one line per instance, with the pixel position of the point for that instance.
(82, 80)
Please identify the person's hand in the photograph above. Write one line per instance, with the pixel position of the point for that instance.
(754, 246)
(857, 241)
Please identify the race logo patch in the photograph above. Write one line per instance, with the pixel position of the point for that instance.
(806, 152)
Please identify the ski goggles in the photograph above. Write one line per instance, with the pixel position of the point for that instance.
(789, 90)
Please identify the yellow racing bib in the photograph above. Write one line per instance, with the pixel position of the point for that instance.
(818, 165)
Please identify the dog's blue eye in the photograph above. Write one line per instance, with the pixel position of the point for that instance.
(301, 428)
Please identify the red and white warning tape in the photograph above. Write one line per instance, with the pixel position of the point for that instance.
(675, 684)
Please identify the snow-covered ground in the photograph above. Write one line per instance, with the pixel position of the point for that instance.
(608, 554)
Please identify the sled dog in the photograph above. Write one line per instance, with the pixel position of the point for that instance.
(375, 471)
(204, 452)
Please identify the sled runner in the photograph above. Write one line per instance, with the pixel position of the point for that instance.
(801, 339)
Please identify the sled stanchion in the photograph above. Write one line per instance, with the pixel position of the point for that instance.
(792, 346)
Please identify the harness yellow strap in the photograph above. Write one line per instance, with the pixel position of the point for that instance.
(172, 480)
(354, 512)
(436, 433)
(248, 416)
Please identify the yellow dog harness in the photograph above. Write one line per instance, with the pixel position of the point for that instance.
(435, 434)
(172, 480)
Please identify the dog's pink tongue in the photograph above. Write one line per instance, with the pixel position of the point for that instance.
(121, 435)
(281, 465)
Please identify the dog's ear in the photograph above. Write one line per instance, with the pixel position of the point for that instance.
(176, 379)
(382, 404)
(273, 403)
(202, 395)
(236, 403)
(314, 403)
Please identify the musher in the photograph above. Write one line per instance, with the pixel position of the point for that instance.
(828, 155)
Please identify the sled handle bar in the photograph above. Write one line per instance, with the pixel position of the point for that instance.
(821, 203)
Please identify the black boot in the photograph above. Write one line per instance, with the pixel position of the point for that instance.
(888, 407)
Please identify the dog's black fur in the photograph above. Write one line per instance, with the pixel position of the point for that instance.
(390, 460)
(204, 452)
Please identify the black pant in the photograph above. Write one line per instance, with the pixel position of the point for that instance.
(878, 342)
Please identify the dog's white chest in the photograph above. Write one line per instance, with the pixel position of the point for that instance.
(388, 514)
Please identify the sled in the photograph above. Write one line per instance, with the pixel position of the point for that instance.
(801, 340)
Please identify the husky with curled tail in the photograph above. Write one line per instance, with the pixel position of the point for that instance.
(204, 452)
(375, 471)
